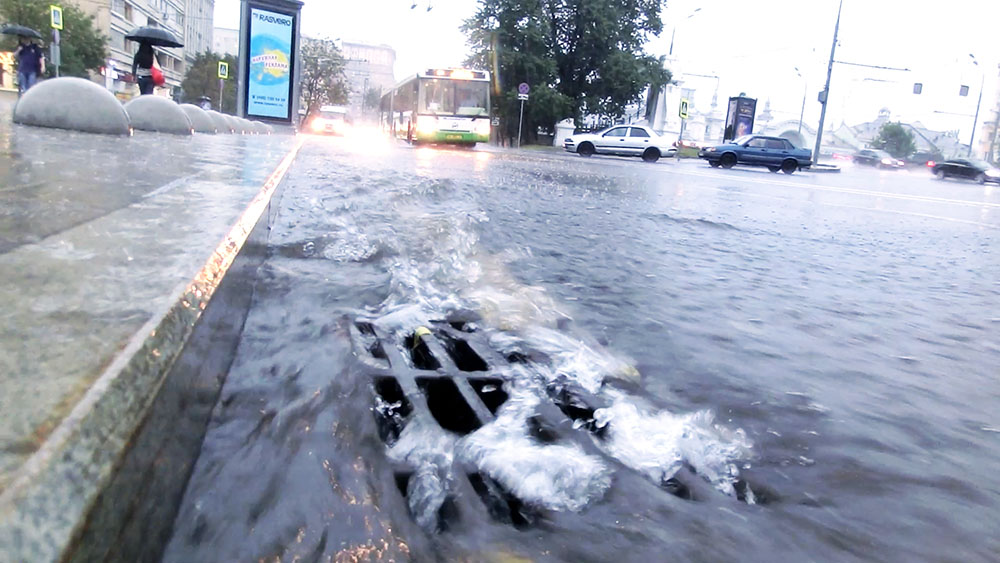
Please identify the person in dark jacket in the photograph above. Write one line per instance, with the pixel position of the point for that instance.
(30, 63)
(142, 68)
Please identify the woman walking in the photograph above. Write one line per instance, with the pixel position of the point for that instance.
(142, 67)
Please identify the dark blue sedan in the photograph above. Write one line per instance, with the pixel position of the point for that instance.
(776, 153)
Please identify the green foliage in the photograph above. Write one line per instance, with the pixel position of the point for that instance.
(896, 140)
(579, 56)
(82, 47)
(323, 79)
(202, 79)
(371, 99)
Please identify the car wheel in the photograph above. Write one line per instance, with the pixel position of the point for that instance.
(585, 149)
(713, 163)
(981, 178)
(651, 155)
(728, 160)
(789, 166)
(774, 169)
(940, 174)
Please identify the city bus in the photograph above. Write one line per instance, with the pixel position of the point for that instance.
(439, 106)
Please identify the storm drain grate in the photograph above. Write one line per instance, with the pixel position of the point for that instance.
(450, 376)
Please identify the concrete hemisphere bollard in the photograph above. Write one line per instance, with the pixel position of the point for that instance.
(260, 128)
(158, 114)
(72, 103)
(221, 123)
(234, 123)
(201, 121)
(248, 127)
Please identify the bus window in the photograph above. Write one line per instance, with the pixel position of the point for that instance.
(471, 98)
(439, 96)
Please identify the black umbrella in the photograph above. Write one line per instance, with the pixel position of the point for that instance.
(156, 36)
(14, 29)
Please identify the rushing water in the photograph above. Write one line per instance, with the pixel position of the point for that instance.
(823, 380)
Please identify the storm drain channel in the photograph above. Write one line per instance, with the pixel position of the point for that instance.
(449, 375)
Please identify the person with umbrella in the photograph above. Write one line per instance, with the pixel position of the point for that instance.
(142, 62)
(29, 56)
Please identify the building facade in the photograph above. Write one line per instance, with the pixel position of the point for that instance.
(368, 67)
(226, 41)
(117, 18)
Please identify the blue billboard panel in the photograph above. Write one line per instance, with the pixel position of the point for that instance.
(269, 68)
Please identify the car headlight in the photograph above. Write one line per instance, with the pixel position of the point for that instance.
(886, 161)
(318, 124)
(709, 149)
(482, 127)
(427, 124)
(993, 173)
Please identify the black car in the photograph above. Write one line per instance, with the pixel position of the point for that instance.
(968, 168)
(876, 158)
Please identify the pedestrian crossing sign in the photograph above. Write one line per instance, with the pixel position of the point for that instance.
(223, 69)
(55, 13)
(683, 111)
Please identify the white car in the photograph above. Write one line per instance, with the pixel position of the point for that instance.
(622, 140)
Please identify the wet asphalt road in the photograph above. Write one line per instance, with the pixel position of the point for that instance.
(831, 341)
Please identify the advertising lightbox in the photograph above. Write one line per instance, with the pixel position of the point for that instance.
(270, 64)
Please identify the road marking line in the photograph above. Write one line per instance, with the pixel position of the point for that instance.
(927, 199)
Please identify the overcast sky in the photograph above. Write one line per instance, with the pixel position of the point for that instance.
(753, 46)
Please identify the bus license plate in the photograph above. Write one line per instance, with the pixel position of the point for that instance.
(452, 137)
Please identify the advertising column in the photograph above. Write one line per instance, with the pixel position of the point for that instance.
(268, 60)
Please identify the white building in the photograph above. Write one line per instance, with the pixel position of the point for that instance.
(367, 67)
(226, 41)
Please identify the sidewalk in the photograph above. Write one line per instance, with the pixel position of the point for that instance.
(99, 236)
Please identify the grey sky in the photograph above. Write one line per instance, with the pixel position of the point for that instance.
(753, 46)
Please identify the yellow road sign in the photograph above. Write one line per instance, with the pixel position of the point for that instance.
(223, 69)
(683, 111)
(56, 15)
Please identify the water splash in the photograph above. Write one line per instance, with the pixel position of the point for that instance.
(554, 476)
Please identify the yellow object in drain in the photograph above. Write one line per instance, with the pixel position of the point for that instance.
(421, 331)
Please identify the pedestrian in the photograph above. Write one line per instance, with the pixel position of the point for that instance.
(30, 63)
(142, 67)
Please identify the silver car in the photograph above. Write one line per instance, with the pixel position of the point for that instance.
(622, 140)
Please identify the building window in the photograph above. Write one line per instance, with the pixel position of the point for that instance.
(129, 11)
(118, 40)
(118, 6)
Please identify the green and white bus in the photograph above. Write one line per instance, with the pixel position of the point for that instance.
(439, 106)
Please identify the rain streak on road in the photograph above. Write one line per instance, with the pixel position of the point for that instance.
(670, 361)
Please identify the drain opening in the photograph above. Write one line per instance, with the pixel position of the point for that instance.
(676, 488)
(578, 411)
(447, 405)
(490, 390)
(501, 504)
(371, 340)
(517, 358)
(540, 431)
(402, 481)
(758, 494)
(465, 358)
(391, 408)
(420, 354)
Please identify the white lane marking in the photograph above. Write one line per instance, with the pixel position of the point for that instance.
(854, 191)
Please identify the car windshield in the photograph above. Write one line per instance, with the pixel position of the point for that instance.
(332, 115)
(742, 140)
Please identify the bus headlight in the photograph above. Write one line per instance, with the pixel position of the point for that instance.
(482, 127)
(426, 124)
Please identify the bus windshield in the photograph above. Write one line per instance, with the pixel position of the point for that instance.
(455, 97)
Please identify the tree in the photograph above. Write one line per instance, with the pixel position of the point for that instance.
(372, 98)
(578, 56)
(202, 79)
(82, 48)
(323, 80)
(895, 139)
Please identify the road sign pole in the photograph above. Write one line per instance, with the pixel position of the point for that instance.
(222, 81)
(519, 120)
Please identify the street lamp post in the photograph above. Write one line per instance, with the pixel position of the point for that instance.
(975, 120)
(825, 94)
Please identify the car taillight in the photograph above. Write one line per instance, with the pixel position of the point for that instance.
(931, 163)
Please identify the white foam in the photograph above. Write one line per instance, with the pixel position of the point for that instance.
(554, 476)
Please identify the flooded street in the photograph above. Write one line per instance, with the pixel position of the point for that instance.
(678, 363)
